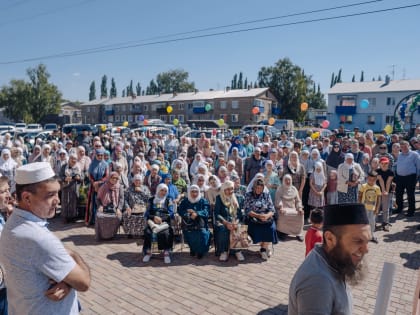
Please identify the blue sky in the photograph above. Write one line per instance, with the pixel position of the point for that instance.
(372, 43)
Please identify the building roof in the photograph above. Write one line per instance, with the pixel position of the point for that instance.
(375, 87)
(181, 97)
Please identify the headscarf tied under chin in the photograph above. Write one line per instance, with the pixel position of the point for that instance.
(158, 199)
(196, 199)
(109, 192)
(229, 201)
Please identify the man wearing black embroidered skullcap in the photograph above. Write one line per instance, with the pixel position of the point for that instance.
(320, 285)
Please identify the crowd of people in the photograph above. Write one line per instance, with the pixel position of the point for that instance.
(148, 182)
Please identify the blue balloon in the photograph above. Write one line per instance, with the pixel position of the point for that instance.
(364, 104)
(141, 117)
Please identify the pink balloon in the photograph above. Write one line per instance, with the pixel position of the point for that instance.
(325, 124)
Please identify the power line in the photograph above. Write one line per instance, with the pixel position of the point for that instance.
(70, 54)
(227, 25)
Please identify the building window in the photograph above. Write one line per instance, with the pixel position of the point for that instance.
(117, 118)
(181, 118)
(371, 119)
(130, 118)
(181, 106)
(122, 108)
(87, 109)
(222, 116)
(235, 104)
(198, 104)
(223, 104)
(171, 118)
(389, 119)
(145, 107)
(390, 101)
(234, 117)
(347, 101)
(163, 118)
(110, 118)
(123, 118)
(349, 119)
(372, 101)
(190, 106)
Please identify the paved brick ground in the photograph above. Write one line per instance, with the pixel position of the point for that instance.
(122, 284)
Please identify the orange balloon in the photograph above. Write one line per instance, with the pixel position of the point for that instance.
(255, 110)
(145, 122)
(304, 107)
(271, 121)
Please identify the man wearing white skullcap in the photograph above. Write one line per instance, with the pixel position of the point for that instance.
(42, 277)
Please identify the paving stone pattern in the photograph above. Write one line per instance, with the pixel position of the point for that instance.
(123, 284)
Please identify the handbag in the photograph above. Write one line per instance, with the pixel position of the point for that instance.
(191, 225)
(258, 221)
(110, 208)
(157, 228)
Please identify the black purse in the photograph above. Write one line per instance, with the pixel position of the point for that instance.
(110, 208)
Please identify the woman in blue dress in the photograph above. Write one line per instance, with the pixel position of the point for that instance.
(194, 211)
(259, 210)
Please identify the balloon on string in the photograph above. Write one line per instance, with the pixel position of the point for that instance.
(221, 122)
(145, 122)
(207, 107)
(125, 123)
(255, 110)
(364, 104)
(325, 124)
(304, 107)
(103, 128)
(315, 135)
(388, 129)
(176, 122)
(141, 117)
(271, 121)
(169, 109)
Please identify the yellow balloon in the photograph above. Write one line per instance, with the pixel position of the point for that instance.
(315, 135)
(271, 121)
(125, 123)
(103, 127)
(169, 109)
(221, 122)
(176, 122)
(388, 129)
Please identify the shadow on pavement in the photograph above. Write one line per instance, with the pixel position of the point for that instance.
(134, 259)
(89, 239)
(280, 309)
(409, 234)
(413, 260)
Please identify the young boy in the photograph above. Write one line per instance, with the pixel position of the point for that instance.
(314, 234)
(385, 177)
(370, 196)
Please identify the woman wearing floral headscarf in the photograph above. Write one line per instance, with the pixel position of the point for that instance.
(296, 171)
(227, 215)
(194, 211)
(158, 217)
(349, 176)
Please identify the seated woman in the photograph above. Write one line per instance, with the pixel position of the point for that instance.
(194, 211)
(227, 216)
(135, 204)
(110, 202)
(158, 217)
(290, 210)
(259, 210)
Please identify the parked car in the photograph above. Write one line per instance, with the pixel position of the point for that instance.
(20, 127)
(252, 129)
(33, 128)
(7, 128)
(301, 134)
(78, 128)
(220, 133)
(50, 127)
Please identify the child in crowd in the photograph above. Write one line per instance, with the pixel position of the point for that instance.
(370, 196)
(314, 234)
(332, 195)
(317, 183)
(385, 177)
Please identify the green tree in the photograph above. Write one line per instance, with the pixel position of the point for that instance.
(339, 76)
(291, 87)
(240, 81)
(174, 81)
(362, 76)
(104, 89)
(130, 91)
(138, 89)
(256, 85)
(332, 80)
(113, 89)
(235, 82)
(123, 93)
(152, 89)
(246, 83)
(92, 91)
(353, 79)
(15, 100)
(379, 78)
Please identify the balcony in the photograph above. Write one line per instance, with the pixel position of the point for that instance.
(161, 111)
(276, 111)
(345, 110)
(199, 110)
(109, 112)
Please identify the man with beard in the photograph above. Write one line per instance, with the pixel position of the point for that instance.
(320, 285)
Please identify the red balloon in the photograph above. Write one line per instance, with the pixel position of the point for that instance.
(145, 122)
(325, 124)
(255, 110)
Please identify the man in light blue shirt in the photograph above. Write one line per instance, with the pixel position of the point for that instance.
(407, 173)
(41, 276)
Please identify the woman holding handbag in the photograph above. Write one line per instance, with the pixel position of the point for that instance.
(227, 217)
(259, 210)
(158, 217)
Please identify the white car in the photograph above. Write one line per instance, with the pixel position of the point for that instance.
(20, 127)
(33, 128)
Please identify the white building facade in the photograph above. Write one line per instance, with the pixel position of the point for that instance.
(345, 104)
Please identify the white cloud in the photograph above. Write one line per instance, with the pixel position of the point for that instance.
(76, 74)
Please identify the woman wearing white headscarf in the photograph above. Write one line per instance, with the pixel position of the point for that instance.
(349, 176)
(213, 190)
(35, 155)
(158, 217)
(194, 165)
(289, 209)
(318, 184)
(296, 171)
(194, 211)
(8, 167)
(227, 215)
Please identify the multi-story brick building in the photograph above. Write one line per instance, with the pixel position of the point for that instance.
(234, 106)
